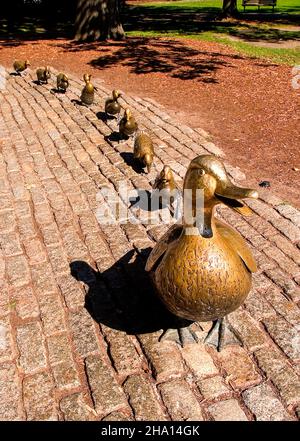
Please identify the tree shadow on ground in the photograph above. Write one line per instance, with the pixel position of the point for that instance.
(171, 57)
(123, 297)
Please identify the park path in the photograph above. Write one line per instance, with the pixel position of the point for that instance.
(78, 324)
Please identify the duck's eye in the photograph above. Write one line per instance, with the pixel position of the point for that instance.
(201, 172)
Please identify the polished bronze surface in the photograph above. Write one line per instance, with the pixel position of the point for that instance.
(62, 82)
(143, 150)
(87, 94)
(202, 268)
(165, 180)
(43, 74)
(128, 125)
(112, 106)
(167, 186)
(19, 65)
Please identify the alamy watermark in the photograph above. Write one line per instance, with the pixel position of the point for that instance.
(296, 77)
(139, 206)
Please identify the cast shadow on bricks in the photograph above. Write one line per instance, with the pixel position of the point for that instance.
(123, 297)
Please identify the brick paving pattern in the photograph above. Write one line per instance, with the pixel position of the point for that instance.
(78, 325)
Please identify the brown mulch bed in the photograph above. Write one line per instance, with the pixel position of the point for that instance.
(247, 105)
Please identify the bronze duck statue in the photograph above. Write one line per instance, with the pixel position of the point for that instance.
(202, 269)
(88, 92)
(143, 150)
(112, 106)
(128, 125)
(43, 75)
(62, 82)
(20, 66)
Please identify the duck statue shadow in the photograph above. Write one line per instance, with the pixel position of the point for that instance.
(123, 297)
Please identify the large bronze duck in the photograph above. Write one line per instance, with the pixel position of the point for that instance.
(202, 268)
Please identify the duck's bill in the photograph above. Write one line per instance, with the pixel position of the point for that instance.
(232, 198)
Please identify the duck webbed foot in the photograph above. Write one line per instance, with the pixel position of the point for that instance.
(221, 335)
(183, 334)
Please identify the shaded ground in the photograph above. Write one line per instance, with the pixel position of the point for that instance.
(189, 20)
(247, 105)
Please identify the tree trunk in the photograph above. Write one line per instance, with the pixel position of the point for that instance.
(229, 8)
(98, 20)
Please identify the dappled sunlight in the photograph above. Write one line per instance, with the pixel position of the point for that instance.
(171, 57)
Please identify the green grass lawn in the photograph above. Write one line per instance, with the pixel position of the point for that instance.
(283, 6)
(192, 19)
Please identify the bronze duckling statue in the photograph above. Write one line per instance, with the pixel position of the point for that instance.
(202, 268)
(128, 125)
(62, 82)
(20, 66)
(143, 150)
(112, 106)
(88, 92)
(166, 189)
(43, 74)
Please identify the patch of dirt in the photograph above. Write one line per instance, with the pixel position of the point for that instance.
(247, 105)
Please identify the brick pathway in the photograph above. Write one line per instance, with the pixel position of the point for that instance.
(64, 349)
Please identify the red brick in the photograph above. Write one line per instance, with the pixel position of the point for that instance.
(26, 304)
(107, 394)
(74, 408)
(43, 279)
(180, 401)
(35, 251)
(17, 270)
(280, 373)
(214, 388)
(199, 360)
(31, 344)
(228, 410)
(43, 214)
(164, 357)
(52, 313)
(125, 358)
(38, 398)
(11, 408)
(285, 335)
(84, 333)
(240, 369)
(10, 244)
(264, 404)
(247, 330)
(283, 281)
(143, 399)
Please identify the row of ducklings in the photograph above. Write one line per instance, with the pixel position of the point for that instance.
(43, 75)
(143, 145)
(203, 276)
